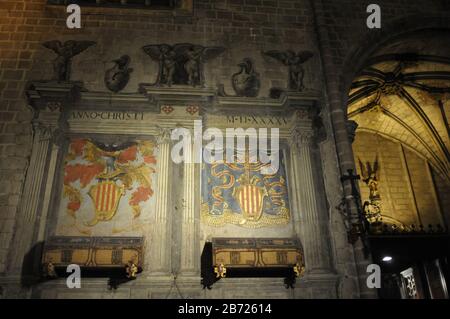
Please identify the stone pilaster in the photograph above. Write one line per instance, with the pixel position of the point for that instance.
(313, 220)
(36, 193)
(47, 99)
(190, 265)
(160, 245)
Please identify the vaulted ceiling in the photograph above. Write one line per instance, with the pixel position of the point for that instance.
(405, 96)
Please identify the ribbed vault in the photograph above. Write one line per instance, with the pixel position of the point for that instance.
(406, 97)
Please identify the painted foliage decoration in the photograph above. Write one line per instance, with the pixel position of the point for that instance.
(106, 187)
(238, 193)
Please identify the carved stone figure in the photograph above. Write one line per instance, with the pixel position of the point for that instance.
(118, 76)
(294, 61)
(196, 56)
(165, 55)
(65, 52)
(370, 176)
(181, 63)
(246, 82)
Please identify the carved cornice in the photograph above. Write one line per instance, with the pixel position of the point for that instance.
(115, 101)
(305, 102)
(178, 95)
(52, 95)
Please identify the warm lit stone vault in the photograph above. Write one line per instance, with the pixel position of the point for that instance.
(406, 98)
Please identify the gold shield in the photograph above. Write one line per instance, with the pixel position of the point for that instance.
(251, 199)
(106, 197)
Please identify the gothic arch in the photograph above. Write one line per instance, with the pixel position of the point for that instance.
(361, 52)
(396, 83)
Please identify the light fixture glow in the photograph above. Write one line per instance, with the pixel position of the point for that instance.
(387, 258)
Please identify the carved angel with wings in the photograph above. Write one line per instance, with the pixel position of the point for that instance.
(196, 56)
(165, 55)
(294, 61)
(181, 63)
(370, 176)
(65, 52)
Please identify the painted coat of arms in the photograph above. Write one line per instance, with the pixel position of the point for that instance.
(106, 187)
(238, 193)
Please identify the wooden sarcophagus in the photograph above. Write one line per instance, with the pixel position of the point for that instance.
(254, 257)
(99, 256)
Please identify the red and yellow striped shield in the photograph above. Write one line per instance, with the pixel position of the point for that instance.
(250, 199)
(106, 196)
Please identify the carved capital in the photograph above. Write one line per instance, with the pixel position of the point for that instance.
(49, 131)
(43, 131)
(163, 136)
(302, 137)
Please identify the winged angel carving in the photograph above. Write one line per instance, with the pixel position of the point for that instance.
(65, 52)
(181, 63)
(294, 61)
(370, 174)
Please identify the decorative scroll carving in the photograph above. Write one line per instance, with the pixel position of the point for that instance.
(246, 82)
(294, 62)
(181, 63)
(65, 52)
(118, 76)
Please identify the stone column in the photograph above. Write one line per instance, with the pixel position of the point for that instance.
(313, 220)
(160, 245)
(338, 109)
(189, 230)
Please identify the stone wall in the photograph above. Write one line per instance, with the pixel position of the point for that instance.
(332, 29)
(406, 185)
(241, 26)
